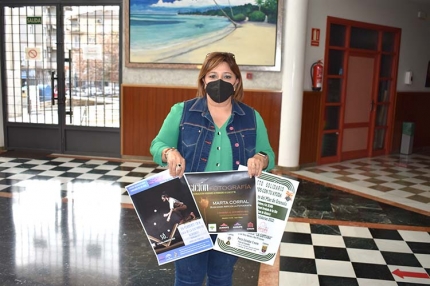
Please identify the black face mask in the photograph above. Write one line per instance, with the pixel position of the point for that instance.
(219, 90)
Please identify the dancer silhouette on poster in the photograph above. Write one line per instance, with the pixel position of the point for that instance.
(178, 207)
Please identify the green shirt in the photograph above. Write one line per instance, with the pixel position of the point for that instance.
(220, 152)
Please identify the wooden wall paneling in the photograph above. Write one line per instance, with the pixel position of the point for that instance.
(310, 122)
(412, 107)
(144, 111)
(144, 108)
(268, 104)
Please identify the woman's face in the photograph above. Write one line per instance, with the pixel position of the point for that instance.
(221, 71)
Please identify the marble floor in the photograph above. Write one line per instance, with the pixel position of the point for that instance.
(401, 179)
(69, 221)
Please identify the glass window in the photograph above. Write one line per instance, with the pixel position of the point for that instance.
(364, 39)
(331, 117)
(381, 115)
(386, 63)
(337, 35)
(93, 100)
(329, 145)
(388, 41)
(335, 66)
(384, 91)
(334, 90)
(379, 140)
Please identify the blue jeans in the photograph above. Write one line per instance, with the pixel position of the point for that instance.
(218, 266)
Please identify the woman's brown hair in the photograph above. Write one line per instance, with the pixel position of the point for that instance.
(211, 61)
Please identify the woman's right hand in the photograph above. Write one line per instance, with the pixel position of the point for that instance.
(175, 163)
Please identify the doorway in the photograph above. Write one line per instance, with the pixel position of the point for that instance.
(358, 106)
(359, 86)
(61, 77)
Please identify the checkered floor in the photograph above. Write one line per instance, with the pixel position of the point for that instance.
(404, 180)
(72, 176)
(311, 254)
(314, 254)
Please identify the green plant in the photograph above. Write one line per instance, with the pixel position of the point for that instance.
(239, 17)
(257, 16)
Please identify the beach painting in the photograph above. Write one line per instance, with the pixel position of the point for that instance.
(180, 33)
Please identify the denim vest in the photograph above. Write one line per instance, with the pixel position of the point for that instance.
(197, 130)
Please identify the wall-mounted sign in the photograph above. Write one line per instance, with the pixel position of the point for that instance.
(33, 54)
(34, 20)
(315, 37)
(92, 52)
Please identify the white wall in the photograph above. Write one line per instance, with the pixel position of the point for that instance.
(188, 77)
(414, 50)
(415, 35)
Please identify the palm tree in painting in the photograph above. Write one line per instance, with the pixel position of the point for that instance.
(225, 14)
(231, 9)
(259, 4)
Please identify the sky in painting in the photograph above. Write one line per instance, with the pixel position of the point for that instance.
(147, 5)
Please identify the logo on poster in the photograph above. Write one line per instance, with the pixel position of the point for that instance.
(212, 227)
(262, 227)
(224, 227)
(237, 226)
(250, 226)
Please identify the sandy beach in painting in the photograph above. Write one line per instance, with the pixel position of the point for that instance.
(253, 43)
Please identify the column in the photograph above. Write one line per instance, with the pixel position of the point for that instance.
(293, 58)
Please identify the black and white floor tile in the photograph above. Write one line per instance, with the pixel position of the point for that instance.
(314, 254)
(311, 254)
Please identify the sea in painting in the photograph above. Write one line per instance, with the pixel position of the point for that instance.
(185, 31)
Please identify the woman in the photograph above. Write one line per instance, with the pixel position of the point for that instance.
(213, 132)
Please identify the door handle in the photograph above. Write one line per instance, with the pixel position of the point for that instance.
(53, 78)
(70, 112)
(372, 104)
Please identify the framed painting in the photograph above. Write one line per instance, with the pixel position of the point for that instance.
(180, 33)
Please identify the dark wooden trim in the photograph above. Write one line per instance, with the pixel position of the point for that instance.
(347, 22)
(311, 116)
(356, 154)
(356, 125)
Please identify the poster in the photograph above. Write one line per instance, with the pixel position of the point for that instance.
(275, 197)
(227, 200)
(170, 217)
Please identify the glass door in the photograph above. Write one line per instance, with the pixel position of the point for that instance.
(92, 88)
(358, 91)
(386, 87)
(61, 74)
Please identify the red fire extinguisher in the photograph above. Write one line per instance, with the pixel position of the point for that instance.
(317, 75)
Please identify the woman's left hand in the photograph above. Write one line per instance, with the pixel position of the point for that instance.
(255, 165)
